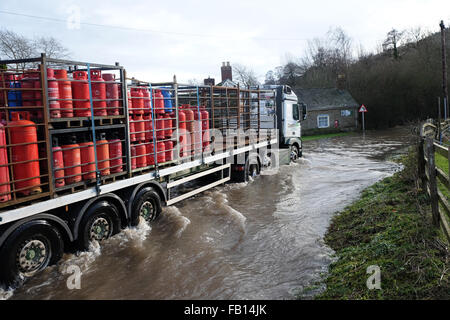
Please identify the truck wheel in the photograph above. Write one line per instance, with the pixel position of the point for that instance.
(251, 169)
(29, 250)
(146, 204)
(294, 153)
(99, 223)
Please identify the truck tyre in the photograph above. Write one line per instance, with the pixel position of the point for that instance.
(251, 169)
(28, 250)
(294, 153)
(146, 204)
(99, 223)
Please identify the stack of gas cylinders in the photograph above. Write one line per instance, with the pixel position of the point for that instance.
(194, 133)
(152, 123)
(74, 157)
(23, 144)
(68, 96)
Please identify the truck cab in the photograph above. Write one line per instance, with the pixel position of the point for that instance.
(290, 113)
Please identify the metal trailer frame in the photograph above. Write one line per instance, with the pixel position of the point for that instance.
(210, 95)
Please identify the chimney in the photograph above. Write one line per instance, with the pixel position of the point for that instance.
(341, 82)
(226, 71)
(209, 82)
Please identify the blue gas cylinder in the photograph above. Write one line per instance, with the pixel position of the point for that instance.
(14, 97)
(167, 101)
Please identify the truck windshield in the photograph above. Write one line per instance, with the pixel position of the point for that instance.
(295, 112)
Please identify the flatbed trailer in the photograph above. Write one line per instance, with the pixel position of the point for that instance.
(37, 227)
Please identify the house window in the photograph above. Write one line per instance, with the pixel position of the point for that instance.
(323, 121)
(346, 113)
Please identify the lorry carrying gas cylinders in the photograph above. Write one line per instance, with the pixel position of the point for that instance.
(86, 151)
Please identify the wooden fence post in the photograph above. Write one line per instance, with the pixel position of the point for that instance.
(421, 164)
(432, 181)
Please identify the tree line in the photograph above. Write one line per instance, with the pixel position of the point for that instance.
(14, 46)
(399, 82)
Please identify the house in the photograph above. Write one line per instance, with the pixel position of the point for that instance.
(227, 76)
(329, 110)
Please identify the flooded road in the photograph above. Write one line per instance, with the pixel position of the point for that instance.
(261, 240)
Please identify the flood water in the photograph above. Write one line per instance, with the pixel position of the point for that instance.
(261, 240)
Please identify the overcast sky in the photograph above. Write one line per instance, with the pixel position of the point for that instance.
(156, 39)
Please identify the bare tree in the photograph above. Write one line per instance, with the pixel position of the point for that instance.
(393, 40)
(270, 78)
(51, 47)
(245, 76)
(14, 46)
(194, 82)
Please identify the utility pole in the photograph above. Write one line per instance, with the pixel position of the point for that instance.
(444, 68)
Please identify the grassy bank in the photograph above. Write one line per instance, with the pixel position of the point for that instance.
(328, 135)
(390, 226)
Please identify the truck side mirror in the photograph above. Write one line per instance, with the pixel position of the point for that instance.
(304, 111)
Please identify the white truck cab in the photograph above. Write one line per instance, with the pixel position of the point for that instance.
(289, 113)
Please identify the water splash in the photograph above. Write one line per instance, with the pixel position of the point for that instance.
(221, 201)
(6, 294)
(303, 161)
(137, 235)
(82, 259)
(174, 216)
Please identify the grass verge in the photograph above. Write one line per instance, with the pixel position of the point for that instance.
(390, 227)
(328, 135)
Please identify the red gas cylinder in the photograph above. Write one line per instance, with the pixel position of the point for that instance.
(65, 92)
(148, 126)
(197, 143)
(147, 104)
(139, 126)
(130, 103)
(115, 152)
(160, 127)
(112, 94)
(168, 125)
(132, 129)
(38, 114)
(98, 93)
(158, 101)
(189, 127)
(205, 127)
(5, 188)
(182, 132)
(168, 146)
(72, 161)
(4, 83)
(58, 164)
(24, 131)
(149, 149)
(137, 97)
(141, 159)
(161, 152)
(103, 155)
(53, 93)
(28, 80)
(80, 91)
(133, 157)
(88, 158)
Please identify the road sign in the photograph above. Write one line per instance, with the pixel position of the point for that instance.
(363, 110)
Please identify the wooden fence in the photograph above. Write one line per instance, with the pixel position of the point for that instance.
(429, 175)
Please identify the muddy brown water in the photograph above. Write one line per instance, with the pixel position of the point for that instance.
(260, 240)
